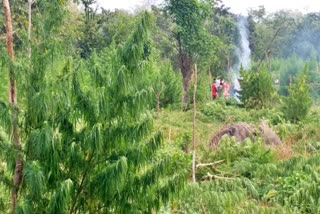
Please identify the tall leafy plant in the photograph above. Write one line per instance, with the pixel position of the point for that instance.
(166, 85)
(193, 39)
(89, 143)
(257, 88)
(298, 103)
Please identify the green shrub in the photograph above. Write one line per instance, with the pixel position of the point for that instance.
(285, 130)
(221, 111)
(257, 88)
(273, 115)
(298, 104)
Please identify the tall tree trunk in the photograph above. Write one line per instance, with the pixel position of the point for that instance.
(194, 125)
(186, 70)
(17, 177)
(185, 63)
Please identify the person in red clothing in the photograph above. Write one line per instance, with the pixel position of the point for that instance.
(214, 91)
(226, 88)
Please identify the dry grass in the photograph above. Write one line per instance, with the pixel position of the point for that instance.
(284, 151)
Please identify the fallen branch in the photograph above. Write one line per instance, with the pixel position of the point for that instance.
(209, 176)
(203, 208)
(209, 164)
(225, 173)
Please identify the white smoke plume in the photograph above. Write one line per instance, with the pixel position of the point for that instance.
(242, 52)
(245, 52)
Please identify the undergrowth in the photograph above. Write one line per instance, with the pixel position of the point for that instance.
(248, 177)
(220, 111)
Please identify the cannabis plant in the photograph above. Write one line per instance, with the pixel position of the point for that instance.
(298, 103)
(88, 141)
(257, 88)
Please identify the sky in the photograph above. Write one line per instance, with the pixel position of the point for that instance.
(237, 6)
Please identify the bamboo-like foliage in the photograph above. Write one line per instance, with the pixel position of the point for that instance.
(248, 178)
(89, 144)
(257, 88)
(298, 103)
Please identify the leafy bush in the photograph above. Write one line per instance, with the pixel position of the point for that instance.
(298, 104)
(285, 130)
(248, 178)
(221, 111)
(288, 68)
(172, 84)
(257, 88)
(240, 158)
(88, 137)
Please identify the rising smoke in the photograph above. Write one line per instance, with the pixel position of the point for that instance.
(242, 53)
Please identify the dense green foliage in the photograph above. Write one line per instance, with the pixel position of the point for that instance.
(298, 103)
(257, 88)
(249, 177)
(223, 112)
(99, 110)
(87, 127)
(166, 85)
(194, 42)
(293, 33)
(189, 17)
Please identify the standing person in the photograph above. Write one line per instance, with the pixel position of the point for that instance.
(221, 83)
(217, 84)
(226, 89)
(214, 91)
(236, 90)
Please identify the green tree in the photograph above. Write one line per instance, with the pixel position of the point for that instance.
(257, 88)
(271, 34)
(289, 68)
(193, 39)
(98, 29)
(13, 124)
(298, 104)
(224, 27)
(164, 37)
(87, 130)
(166, 85)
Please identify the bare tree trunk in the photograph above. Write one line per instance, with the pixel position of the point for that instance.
(186, 70)
(185, 63)
(194, 126)
(17, 177)
(204, 211)
(9, 35)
